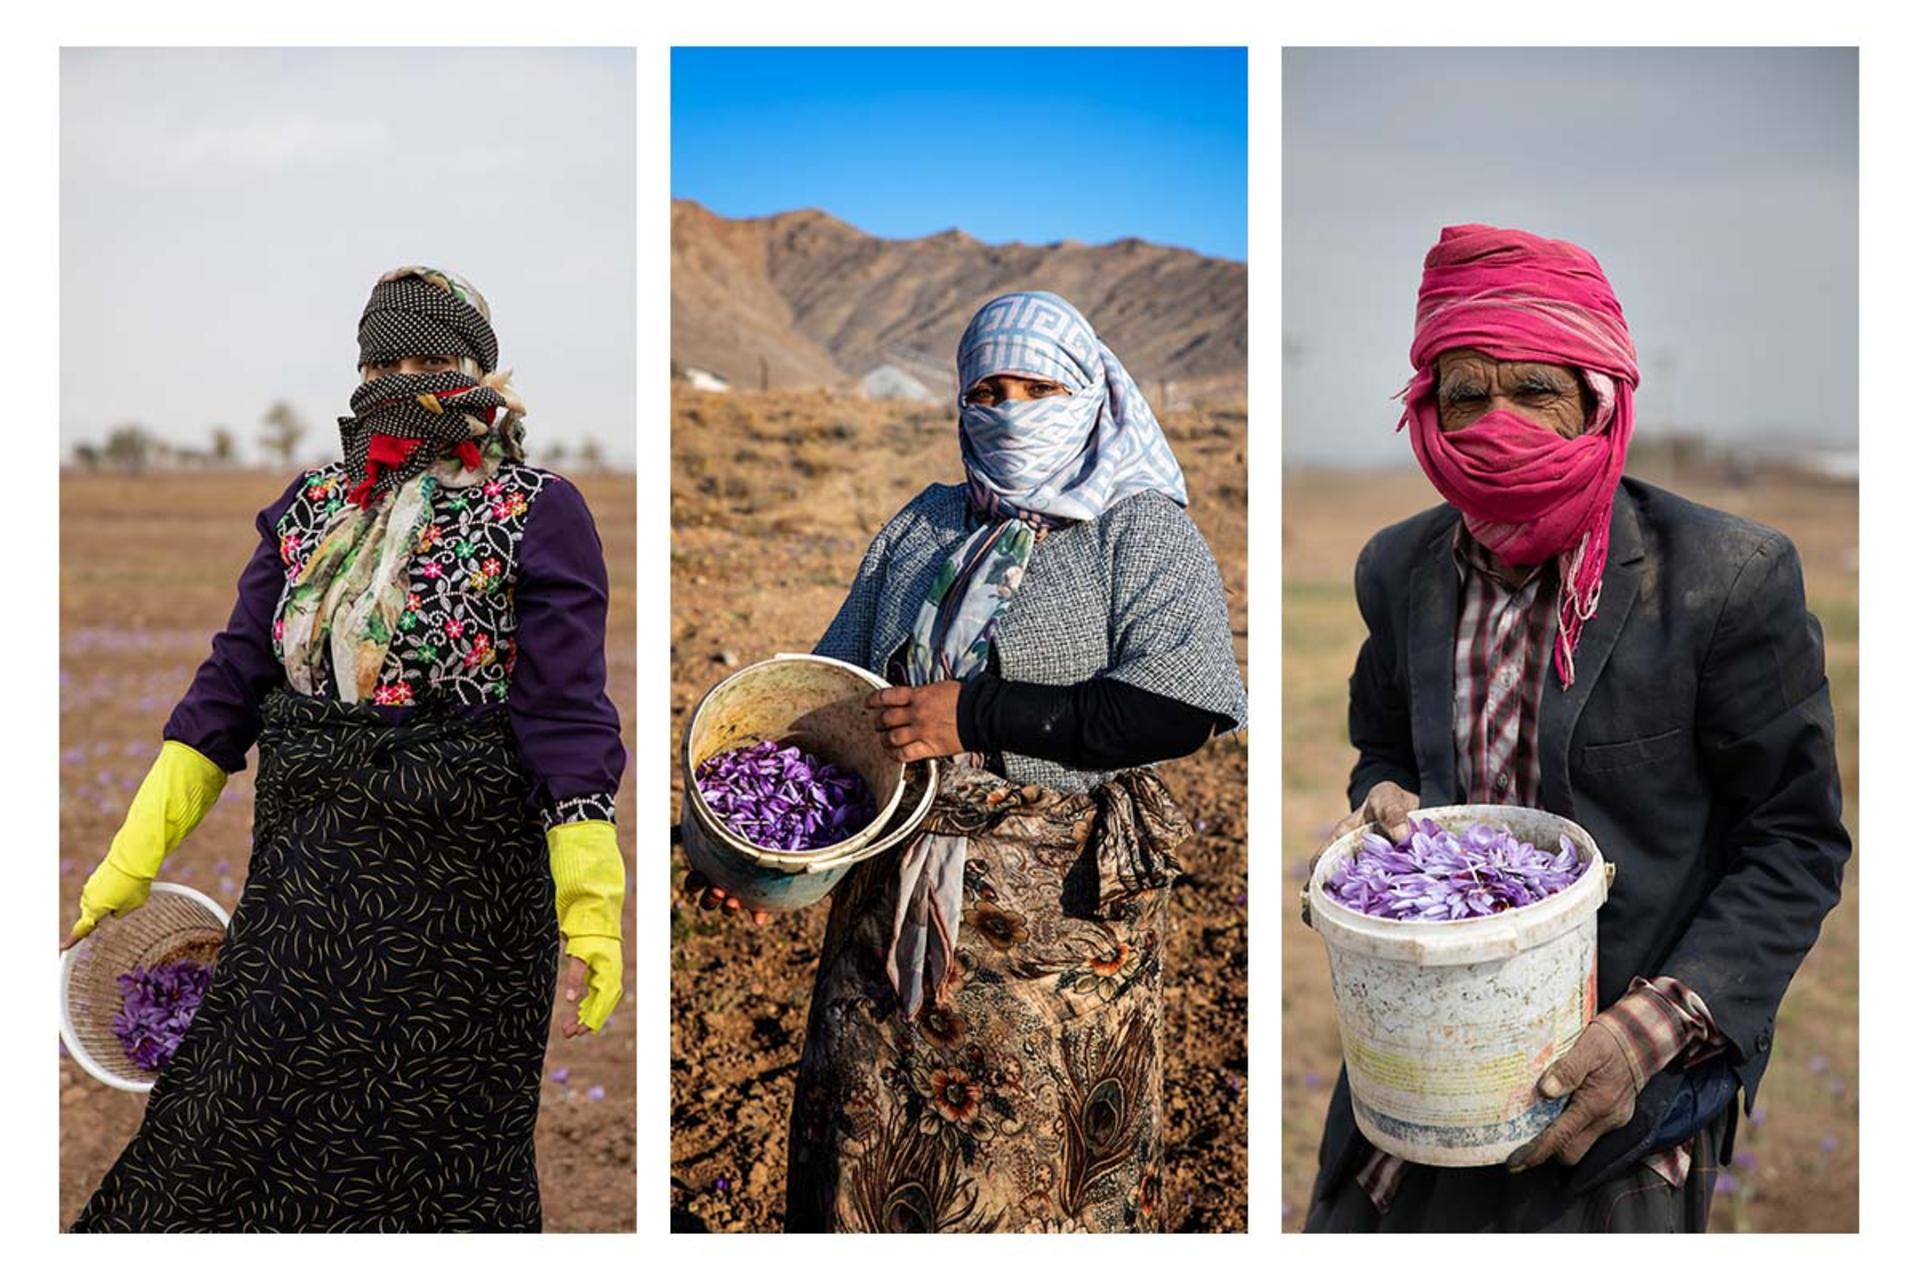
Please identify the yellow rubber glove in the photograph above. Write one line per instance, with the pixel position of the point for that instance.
(176, 793)
(590, 883)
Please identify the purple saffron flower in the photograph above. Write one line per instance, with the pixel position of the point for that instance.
(596, 1093)
(722, 1185)
(1745, 1159)
(1758, 1118)
(1817, 1064)
(1829, 1144)
(561, 1074)
(783, 797)
(1726, 1184)
(156, 1007)
(1439, 875)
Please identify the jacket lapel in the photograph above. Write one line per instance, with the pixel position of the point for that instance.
(1560, 708)
(1430, 624)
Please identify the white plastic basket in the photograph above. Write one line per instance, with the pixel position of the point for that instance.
(174, 916)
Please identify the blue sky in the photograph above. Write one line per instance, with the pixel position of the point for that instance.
(1006, 144)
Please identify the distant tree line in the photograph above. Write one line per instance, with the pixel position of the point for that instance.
(133, 447)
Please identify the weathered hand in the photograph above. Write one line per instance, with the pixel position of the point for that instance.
(1387, 805)
(919, 722)
(710, 897)
(566, 1010)
(1600, 1074)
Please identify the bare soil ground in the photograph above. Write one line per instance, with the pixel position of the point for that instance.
(147, 570)
(775, 497)
(1798, 1166)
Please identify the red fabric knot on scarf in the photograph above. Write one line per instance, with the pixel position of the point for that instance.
(1525, 492)
(385, 451)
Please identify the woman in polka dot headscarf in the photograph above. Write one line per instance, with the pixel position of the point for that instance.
(419, 650)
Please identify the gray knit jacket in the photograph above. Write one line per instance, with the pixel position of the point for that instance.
(1132, 595)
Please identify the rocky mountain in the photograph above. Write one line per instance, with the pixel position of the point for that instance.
(823, 303)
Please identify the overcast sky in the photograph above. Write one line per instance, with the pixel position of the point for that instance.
(1718, 188)
(224, 214)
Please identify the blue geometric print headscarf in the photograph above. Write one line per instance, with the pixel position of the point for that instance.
(1032, 465)
(1060, 458)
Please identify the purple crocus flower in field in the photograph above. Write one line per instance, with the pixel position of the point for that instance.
(156, 1007)
(783, 797)
(1437, 875)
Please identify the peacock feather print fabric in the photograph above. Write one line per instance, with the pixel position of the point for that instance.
(1030, 1099)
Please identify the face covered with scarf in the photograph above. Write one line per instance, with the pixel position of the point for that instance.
(1521, 404)
(419, 425)
(1033, 464)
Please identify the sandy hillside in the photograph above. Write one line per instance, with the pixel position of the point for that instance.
(824, 303)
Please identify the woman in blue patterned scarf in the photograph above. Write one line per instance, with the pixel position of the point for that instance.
(984, 1049)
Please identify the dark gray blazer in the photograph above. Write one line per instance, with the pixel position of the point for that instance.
(1696, 744)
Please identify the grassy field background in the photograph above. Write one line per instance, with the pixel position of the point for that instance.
(147, 571)
(1797, 1168)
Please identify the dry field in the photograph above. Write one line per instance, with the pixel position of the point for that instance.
(1797, 1169)
(775, 497)
(147, 569)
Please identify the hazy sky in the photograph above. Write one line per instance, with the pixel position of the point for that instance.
(1718, 188)
(1034, 145)
(224, 214)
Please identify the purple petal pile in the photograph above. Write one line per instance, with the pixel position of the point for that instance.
(156, 1007)
(1437, 875)
(784, 798)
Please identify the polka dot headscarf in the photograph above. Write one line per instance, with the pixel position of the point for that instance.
(423, 311)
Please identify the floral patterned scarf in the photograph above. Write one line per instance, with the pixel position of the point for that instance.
(342, 610)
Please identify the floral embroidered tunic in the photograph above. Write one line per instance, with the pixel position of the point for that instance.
(506, 603)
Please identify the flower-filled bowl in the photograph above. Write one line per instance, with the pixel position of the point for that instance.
(105, 978)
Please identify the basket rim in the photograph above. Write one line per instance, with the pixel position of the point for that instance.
(70, 1035)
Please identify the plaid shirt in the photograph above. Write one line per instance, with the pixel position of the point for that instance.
(1502, 647)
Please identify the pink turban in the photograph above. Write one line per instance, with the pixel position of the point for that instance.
(1525, 492)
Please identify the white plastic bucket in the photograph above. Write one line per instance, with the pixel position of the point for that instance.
(818, 704)
(1447, 1026)
(173, 917)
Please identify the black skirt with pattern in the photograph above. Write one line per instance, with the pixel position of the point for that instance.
(369, 1055)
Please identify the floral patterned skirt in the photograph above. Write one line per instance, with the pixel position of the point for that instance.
(1030, 1100)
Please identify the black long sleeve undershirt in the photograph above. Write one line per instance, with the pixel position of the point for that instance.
(1095, 725)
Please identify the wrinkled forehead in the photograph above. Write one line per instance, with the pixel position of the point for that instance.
(1458, 360)
(1038, 335)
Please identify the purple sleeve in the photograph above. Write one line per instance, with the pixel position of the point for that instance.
(220, 715)
(567, 727)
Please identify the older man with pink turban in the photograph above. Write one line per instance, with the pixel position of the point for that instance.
(1559, 636)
